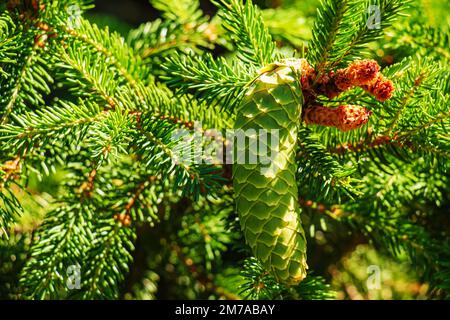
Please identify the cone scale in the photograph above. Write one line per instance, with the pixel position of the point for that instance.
(266, 198)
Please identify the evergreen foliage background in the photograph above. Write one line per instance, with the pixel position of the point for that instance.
(88, 104)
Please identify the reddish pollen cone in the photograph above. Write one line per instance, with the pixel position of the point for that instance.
(345, 117)
(358, 73)
(382, 89)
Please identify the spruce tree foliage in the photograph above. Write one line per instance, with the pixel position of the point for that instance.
(100, 108)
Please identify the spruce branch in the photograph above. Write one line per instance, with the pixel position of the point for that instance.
(48, 125)
(325, 32)
(416, 105)
(108, 260)
(157, 39)
(400, 147)
(79, 70)
(29, 79)
(128, 83)
(10, 208)
(258, 284)
(325, 177)
(382, 214)
(144, 196)
(367, 30)
(112, 47)
(8, 38)
(213, 81)
(161, 150)
(338, 39)
(251, 37)
(28, 84)
(181, 12)
(74, 235)
(207, 218)
(63, 238)
(109, 138)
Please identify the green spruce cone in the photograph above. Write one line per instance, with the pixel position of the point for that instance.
(266, 194)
